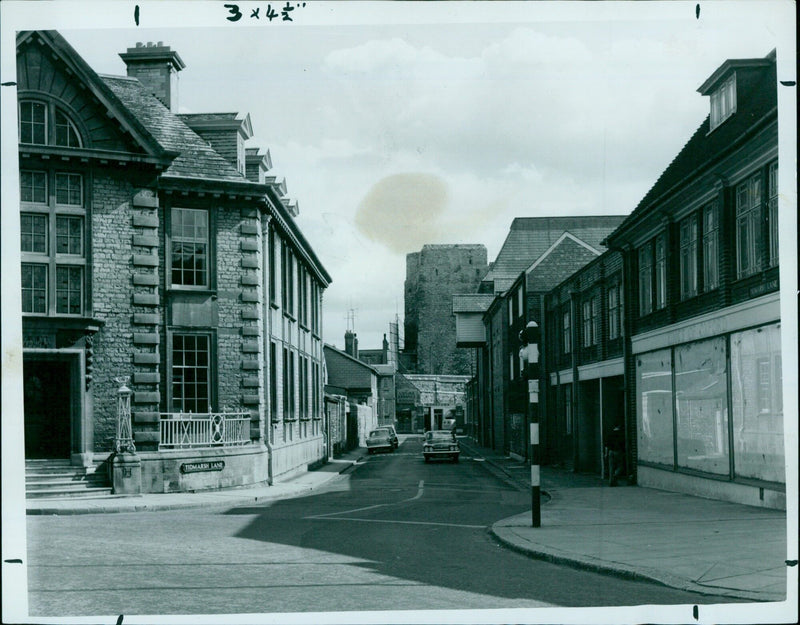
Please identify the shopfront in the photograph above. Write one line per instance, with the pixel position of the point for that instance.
(710, 413)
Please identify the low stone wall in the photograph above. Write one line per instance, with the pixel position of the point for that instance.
(184, 470)
(746, 494)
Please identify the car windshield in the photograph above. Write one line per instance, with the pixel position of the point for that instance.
(440, 436)
(380, 432)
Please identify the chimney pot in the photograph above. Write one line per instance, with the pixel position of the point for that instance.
(139, 44)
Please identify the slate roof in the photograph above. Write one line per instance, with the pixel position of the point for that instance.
(196, 158)
(756, 101)
(530, 237)
(472, 302)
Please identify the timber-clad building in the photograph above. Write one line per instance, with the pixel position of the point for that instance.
(164, 275)
(672, 333)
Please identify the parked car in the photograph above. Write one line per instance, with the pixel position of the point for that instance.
(440, 444)
(381, 438)
(395, 440)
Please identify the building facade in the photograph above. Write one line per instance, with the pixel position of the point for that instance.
(538, 253)
(153, 319)
(582, 351)
(701, 275)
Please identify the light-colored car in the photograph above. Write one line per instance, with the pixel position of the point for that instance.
(395, 440)
(381, 438)
(440, 444)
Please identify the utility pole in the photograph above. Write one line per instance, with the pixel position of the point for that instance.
(531, 336)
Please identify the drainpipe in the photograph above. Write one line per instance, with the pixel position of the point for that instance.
(267, 267)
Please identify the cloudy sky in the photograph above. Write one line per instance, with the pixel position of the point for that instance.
(397, 125)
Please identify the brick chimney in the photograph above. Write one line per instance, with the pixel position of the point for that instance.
(351, 344)
(156, 66)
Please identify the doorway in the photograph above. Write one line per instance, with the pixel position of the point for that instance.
(48, 408)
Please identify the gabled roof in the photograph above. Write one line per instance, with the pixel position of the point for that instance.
(472, 302)
(531, 237)
(338, 352)
(130, 122)
(196, 158)
(756, 105)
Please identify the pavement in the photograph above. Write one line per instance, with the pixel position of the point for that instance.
(301, 484)
(701, 545)
(685, 542)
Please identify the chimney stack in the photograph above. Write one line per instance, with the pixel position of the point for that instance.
(351, 344)
(156, 66)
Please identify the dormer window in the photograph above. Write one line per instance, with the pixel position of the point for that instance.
(723, 102)
(41, 123)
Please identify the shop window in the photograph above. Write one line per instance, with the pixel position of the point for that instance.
(191, 373)
(688, 256)
(710, 247)
(654, 413)
(756, 398)
(189, 245)
(701, 406)
(52, 242)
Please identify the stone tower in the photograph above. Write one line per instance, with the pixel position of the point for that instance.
(433, 276)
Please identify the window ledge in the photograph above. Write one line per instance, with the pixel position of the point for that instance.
(192, 289)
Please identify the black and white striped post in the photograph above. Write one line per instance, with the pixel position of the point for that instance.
(532, 349)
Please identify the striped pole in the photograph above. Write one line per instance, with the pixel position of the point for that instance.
(532, 336)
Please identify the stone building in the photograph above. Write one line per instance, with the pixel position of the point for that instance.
(433, 276)
(162, 266)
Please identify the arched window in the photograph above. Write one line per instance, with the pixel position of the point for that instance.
(42, 123)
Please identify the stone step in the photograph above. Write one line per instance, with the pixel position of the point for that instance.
(66, 478)
(78, 493)
(57, 479)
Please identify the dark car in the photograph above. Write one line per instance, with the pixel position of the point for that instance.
(440, 444)
(381, 438)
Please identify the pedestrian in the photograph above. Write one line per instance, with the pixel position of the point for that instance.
(615, 454)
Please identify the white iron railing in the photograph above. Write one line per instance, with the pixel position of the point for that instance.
(179, 430)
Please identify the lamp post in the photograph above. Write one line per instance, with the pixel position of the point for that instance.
(123, 442)
(530, 337)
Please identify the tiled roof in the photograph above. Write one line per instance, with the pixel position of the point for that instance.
(473, 302)
(530, 237)
(196, 158)
(756, 99)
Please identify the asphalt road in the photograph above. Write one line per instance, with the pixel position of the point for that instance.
(392, 534)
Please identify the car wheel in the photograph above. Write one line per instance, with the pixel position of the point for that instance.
(427, 459)
(455, 458)
(369, 452)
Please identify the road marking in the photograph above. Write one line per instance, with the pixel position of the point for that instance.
(327, 518)
(420, 491)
